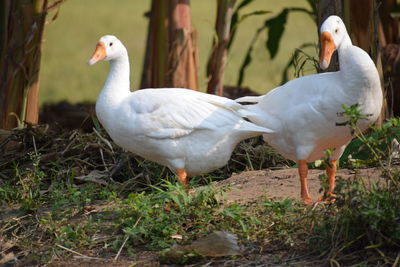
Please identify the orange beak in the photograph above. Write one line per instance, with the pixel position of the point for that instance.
(327, 48)
(99, 54)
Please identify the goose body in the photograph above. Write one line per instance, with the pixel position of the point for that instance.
(189, 132)
(304, 113)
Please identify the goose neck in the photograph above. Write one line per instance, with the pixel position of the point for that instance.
(117, 84)
(357, 69)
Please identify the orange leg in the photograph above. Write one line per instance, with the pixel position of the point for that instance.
(182, 176)
(331, 172)
(303, 172)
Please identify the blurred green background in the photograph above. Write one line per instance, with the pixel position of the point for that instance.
(70, 40)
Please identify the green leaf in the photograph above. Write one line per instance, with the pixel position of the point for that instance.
(243, 4)
(276, 27)
(235, 14)
(235, 21)
(254, 13)
(245, 64)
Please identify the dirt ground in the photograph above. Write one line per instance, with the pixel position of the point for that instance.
(253, 185)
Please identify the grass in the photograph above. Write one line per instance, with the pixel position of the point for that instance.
(71, 38)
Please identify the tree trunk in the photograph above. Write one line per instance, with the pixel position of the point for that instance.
(390, 25)
(171, 55)
(217, 61)
(389, 41)
(21, 29)
(362, 26)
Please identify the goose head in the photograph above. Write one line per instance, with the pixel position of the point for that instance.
(333, 33)
(108, 48)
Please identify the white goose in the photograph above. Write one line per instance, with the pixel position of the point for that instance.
(303, 112)
(188, 131)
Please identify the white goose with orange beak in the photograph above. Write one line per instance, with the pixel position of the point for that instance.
(190, 132)
(304, 112)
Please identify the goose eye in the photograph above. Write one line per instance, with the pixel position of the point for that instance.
(111, 44)
(337, 30)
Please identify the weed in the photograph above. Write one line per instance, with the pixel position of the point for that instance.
(280, 208)
(240, 216)
(73, 235)
(29, 182)
(366, 216)
(64, 194)
(287, 223)
(152, 219)
(372, 148)
(8, 194)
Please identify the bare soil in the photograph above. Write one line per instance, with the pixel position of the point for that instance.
(250, 186)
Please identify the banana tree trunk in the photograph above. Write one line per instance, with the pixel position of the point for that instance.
(171, 53)
(21, 29)
(217, 61)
